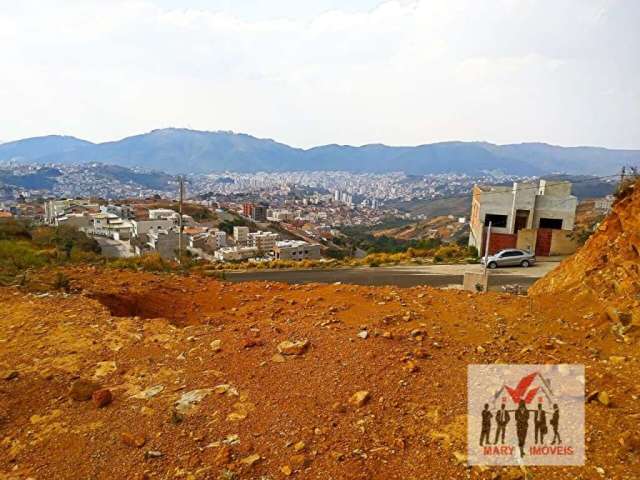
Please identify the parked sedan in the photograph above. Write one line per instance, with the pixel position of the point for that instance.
(510, 257)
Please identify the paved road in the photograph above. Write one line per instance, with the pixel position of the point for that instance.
(436, 275)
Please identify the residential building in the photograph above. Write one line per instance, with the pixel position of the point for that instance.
(57, 208)
(603, 205)
(296, 250)
(227, 254)
(111, 225)
(123, 211)
(141, 227)
(241, 235)
(535, 217)
(162, 213)
(263, 241)
(166, 243)
(220, 238)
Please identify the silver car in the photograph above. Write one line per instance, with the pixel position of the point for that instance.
(510, 257)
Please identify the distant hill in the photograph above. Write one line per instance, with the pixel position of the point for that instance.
(34, 148)
(46, 178)
(190, 151)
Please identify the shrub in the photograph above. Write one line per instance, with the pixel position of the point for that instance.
(61, 282)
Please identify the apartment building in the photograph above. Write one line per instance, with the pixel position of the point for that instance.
(263, 241)
(241, 235)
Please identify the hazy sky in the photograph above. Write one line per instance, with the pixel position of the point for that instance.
(309, 72)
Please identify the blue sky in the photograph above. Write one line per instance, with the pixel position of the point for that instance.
(401, 72)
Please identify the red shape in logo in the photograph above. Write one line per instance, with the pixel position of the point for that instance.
(518, 393)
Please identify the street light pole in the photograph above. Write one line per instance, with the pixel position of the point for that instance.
(486, 248)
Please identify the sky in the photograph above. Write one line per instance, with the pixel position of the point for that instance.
(312, 72)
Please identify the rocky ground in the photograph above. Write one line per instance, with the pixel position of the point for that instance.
(133, 375)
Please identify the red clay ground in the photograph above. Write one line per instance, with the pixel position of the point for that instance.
(413, 425)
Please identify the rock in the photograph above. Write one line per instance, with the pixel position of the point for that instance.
(227, 389)
(363, 334)
(412, 367)
(81, 390)
(421, 353)
(104, 368)
(615, 360)
(299, 461)
(9, 374)
(149, 392)
(223, 457)
(460, 457)
(299, 446)
(102, 398)
(286, 470)
(339, 407)
(277, 358)
(188, 400)
(360, 398)
(481, 349)
(293, 348)
(603, 398)
(175, 417)
(133, 440)
(251, 459)
(236, 416)
(617, 316)
(388, 335)
(153, 454)
(252, 342)
(216, 345)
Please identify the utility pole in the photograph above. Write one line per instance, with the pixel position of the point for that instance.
(181, 225)
(486, 248)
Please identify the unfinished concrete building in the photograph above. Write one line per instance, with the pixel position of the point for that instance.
(534, 217)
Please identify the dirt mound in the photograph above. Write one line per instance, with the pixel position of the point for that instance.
(607, 268)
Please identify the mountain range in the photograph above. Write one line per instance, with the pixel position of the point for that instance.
(177, 150)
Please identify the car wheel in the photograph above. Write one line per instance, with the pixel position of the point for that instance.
(525, 263)
(492, 265)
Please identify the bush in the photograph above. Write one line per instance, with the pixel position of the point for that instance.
(152, 262)
(18, 256)
(61, 282)
(12, 229)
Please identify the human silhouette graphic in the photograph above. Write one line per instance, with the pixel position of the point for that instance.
(522, 425)
(540, 422)
(486, 425)
(555, 421)
(502, 418)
